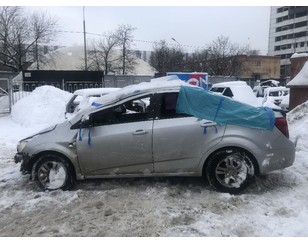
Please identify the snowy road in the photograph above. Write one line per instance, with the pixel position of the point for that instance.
(275, 205)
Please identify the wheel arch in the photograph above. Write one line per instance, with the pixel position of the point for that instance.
(213, 154)
(34, 160)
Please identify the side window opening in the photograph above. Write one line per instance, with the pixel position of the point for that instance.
(168, 106)
(228, 92)
(131, 111)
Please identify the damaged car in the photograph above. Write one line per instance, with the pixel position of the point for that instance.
(160, 128)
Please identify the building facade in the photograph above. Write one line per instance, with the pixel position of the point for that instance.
(288, 34)
(259, 67)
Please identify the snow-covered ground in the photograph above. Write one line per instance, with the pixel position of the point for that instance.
(275, 205)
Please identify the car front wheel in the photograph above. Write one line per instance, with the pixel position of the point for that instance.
(230, 170)
(53, 172)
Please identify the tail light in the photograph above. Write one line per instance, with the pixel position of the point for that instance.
(282, 124)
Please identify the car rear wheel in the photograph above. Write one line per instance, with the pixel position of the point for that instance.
(230, 170)
(53, 172)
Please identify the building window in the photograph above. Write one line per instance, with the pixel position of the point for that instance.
(283, 47)
(285, 8)
(258, 64)
(290, 36)
(302, 44)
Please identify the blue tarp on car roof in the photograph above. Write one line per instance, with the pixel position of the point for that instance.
(223, 110)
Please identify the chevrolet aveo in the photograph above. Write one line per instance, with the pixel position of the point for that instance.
(137, 132)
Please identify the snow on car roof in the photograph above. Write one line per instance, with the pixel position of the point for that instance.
(241, 92)
(278, 88)
(230, 83)
(155, 84)
(275, 82)
(95, 91)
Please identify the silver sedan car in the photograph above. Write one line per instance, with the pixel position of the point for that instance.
(136, 132)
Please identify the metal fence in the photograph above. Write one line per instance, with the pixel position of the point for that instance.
(71, 85)
(124, 80)
(9, 95)
(5, 96)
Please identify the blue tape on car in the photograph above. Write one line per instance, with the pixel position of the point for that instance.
(95, 104)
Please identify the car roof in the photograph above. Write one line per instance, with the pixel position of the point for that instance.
(241, 91)
(167, 83)
(230, 84)
(279, 88)
(95, 91)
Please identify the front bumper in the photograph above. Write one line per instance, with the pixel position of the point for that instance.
(18, 158)
(23, 159)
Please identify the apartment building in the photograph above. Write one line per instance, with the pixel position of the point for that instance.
(288, 34)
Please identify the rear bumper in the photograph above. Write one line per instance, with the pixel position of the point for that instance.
(278, 159)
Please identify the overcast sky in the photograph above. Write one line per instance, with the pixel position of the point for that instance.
(193, 27)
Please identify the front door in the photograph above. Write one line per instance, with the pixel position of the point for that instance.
(119, 140)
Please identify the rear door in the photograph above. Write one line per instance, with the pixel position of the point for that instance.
(179, 140)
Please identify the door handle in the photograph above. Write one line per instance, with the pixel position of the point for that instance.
(208, 123)
(140, 132)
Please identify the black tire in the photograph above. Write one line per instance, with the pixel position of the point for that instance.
(230, 170)
(53, 172)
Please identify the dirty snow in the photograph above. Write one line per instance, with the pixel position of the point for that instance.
(275, 205)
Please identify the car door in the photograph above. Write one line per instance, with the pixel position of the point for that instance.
(179, 140)
(119, 140)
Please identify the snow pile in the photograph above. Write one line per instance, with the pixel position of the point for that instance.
(43, 107)
(301, 79)
(274, 205)
(298, 121)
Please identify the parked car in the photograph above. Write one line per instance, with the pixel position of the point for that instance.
(237, 90)
(275, 94)
(285, 103)
(259, 89)
(125, 138)
(84, 97)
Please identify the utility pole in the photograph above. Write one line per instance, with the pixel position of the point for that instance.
(85, 42)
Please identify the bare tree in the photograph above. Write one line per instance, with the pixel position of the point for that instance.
(43, 28)
(19, 34)
(223, 56)
(159, 58)
(11, 38)
(197, 61)
(124, 35)
(103, 55)
(165, 58)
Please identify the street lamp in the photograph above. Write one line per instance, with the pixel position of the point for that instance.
(175, 41)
